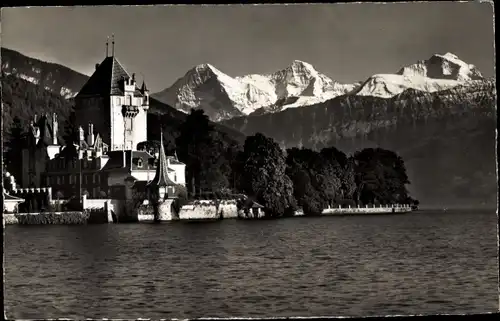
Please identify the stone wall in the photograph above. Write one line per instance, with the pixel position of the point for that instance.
(145, 213)
(206, 209)
(165, 212)
(60, 218)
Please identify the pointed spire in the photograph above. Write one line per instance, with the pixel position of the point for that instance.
(107, 44)
(161, 178)
(144, 88)
(113, 45)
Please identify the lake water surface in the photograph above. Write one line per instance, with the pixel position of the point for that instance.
(419, 263)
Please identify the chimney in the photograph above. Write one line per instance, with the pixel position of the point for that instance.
(90, 137)
(54, 129)
(96, 66)
(133, 78)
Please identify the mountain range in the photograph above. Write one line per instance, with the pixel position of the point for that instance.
(439, 114)
(223, 97)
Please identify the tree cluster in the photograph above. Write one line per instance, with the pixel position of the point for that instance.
(282, 180)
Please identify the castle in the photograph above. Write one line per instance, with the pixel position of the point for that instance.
(104, 160)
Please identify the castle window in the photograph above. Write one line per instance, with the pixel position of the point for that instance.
(128, 123)
(129, 100)
(118, 100)
(139, 163)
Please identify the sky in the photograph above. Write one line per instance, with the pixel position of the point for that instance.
(347, 42)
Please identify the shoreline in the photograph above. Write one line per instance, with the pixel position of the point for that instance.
(81, 218)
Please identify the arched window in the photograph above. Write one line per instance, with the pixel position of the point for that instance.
(139, 163)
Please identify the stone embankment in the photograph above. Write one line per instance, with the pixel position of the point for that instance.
(61, 218)
(206, 210)
(196, 210)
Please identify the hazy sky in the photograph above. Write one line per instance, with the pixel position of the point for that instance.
(347, 42)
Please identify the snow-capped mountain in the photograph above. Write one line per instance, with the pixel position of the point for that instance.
(300, 84)
(439, 72)
(223, 97)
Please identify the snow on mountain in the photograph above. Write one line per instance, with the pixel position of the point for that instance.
(300, 84)
(439, 72)
(222, 96)
(447, 66)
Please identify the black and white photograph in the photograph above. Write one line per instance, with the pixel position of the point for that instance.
(249, 160)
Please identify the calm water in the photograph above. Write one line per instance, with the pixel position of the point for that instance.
(424, 262)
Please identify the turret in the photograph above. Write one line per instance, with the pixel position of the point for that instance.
(90, 136)
(81, 134)
(54, 129)
(145, 92)
(161, 186)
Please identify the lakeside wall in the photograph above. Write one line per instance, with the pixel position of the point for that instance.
(56, 218)
(367, 210)
(196, 210)
(206, 210)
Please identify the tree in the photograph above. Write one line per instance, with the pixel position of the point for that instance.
(264, 177)
(204, 151)
(70, 130)
(14, 147)
(380, 176)
(150, 146)
(316, 179)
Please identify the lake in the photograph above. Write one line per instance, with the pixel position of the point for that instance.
(418, 263)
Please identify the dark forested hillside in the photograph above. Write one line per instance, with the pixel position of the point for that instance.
(23, 99)
(54, 77)
(447, 139)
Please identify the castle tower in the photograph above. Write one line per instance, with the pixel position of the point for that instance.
(113, 103)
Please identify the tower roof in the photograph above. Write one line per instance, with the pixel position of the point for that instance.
(106, 80)
(144, 88)
(161, 177)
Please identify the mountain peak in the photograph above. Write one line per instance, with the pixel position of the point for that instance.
(448, 55)
(302, 66)
(438, 66)
(205, 67)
